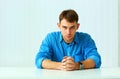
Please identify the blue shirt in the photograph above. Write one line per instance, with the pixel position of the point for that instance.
(53, 47)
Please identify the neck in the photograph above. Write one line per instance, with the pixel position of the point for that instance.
(68, 41)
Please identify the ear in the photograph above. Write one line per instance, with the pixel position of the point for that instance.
(58, 24)
(78, 25)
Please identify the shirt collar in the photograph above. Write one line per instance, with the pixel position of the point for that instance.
(76, 40)
(60, 36)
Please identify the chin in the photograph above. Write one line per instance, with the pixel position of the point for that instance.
(69, 40)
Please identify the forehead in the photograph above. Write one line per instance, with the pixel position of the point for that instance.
(64, 22)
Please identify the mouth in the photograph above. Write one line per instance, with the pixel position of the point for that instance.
(69, 36)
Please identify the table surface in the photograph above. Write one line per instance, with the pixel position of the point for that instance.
(34, 73)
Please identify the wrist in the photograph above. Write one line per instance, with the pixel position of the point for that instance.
(81, 66)
(58, 66)
(77, 66)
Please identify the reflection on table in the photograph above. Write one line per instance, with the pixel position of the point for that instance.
(33, 73)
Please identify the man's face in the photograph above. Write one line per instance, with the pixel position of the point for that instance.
(68, 30)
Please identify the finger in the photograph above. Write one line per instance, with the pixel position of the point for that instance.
(69, 61)
(70, 58)
(69, 68)
(64, 57)
(70, 64)
(64, 60)
(64, 63)
(63, 66)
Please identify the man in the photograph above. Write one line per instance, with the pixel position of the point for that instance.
(67, 49)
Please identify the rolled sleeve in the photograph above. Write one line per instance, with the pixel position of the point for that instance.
(97, 60)
(43, 53)
(91, 52)
(39, 59)
(38, 63)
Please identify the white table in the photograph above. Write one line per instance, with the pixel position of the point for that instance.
(33, 73)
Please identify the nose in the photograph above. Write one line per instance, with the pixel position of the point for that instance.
(68, 31)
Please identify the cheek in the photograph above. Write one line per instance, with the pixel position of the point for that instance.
(73, 32)
(63, 30)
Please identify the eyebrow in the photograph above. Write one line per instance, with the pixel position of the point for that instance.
(70, 26)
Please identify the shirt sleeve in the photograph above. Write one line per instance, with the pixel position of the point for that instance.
(44, 52)
(91, 52)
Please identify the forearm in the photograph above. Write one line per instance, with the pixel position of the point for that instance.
(89, 63)
(48, 64)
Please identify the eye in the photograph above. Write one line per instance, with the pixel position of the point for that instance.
(64, 27)
(72, 27)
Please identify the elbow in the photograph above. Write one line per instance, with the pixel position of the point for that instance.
(38, 63)
(97, 63)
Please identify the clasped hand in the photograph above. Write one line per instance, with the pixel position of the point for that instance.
(68, 64)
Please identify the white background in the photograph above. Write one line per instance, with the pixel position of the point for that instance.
(24, 23)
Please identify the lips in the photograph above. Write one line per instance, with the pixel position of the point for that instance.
(68, 36)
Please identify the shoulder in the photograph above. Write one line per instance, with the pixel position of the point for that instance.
(85, 39)
(82, 35)
(53, 35)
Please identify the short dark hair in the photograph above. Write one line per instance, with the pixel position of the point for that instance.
(70, 15)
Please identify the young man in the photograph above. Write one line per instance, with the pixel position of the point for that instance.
(68, 49)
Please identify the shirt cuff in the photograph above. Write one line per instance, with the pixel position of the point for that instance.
(39, 63)
(97, 61)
